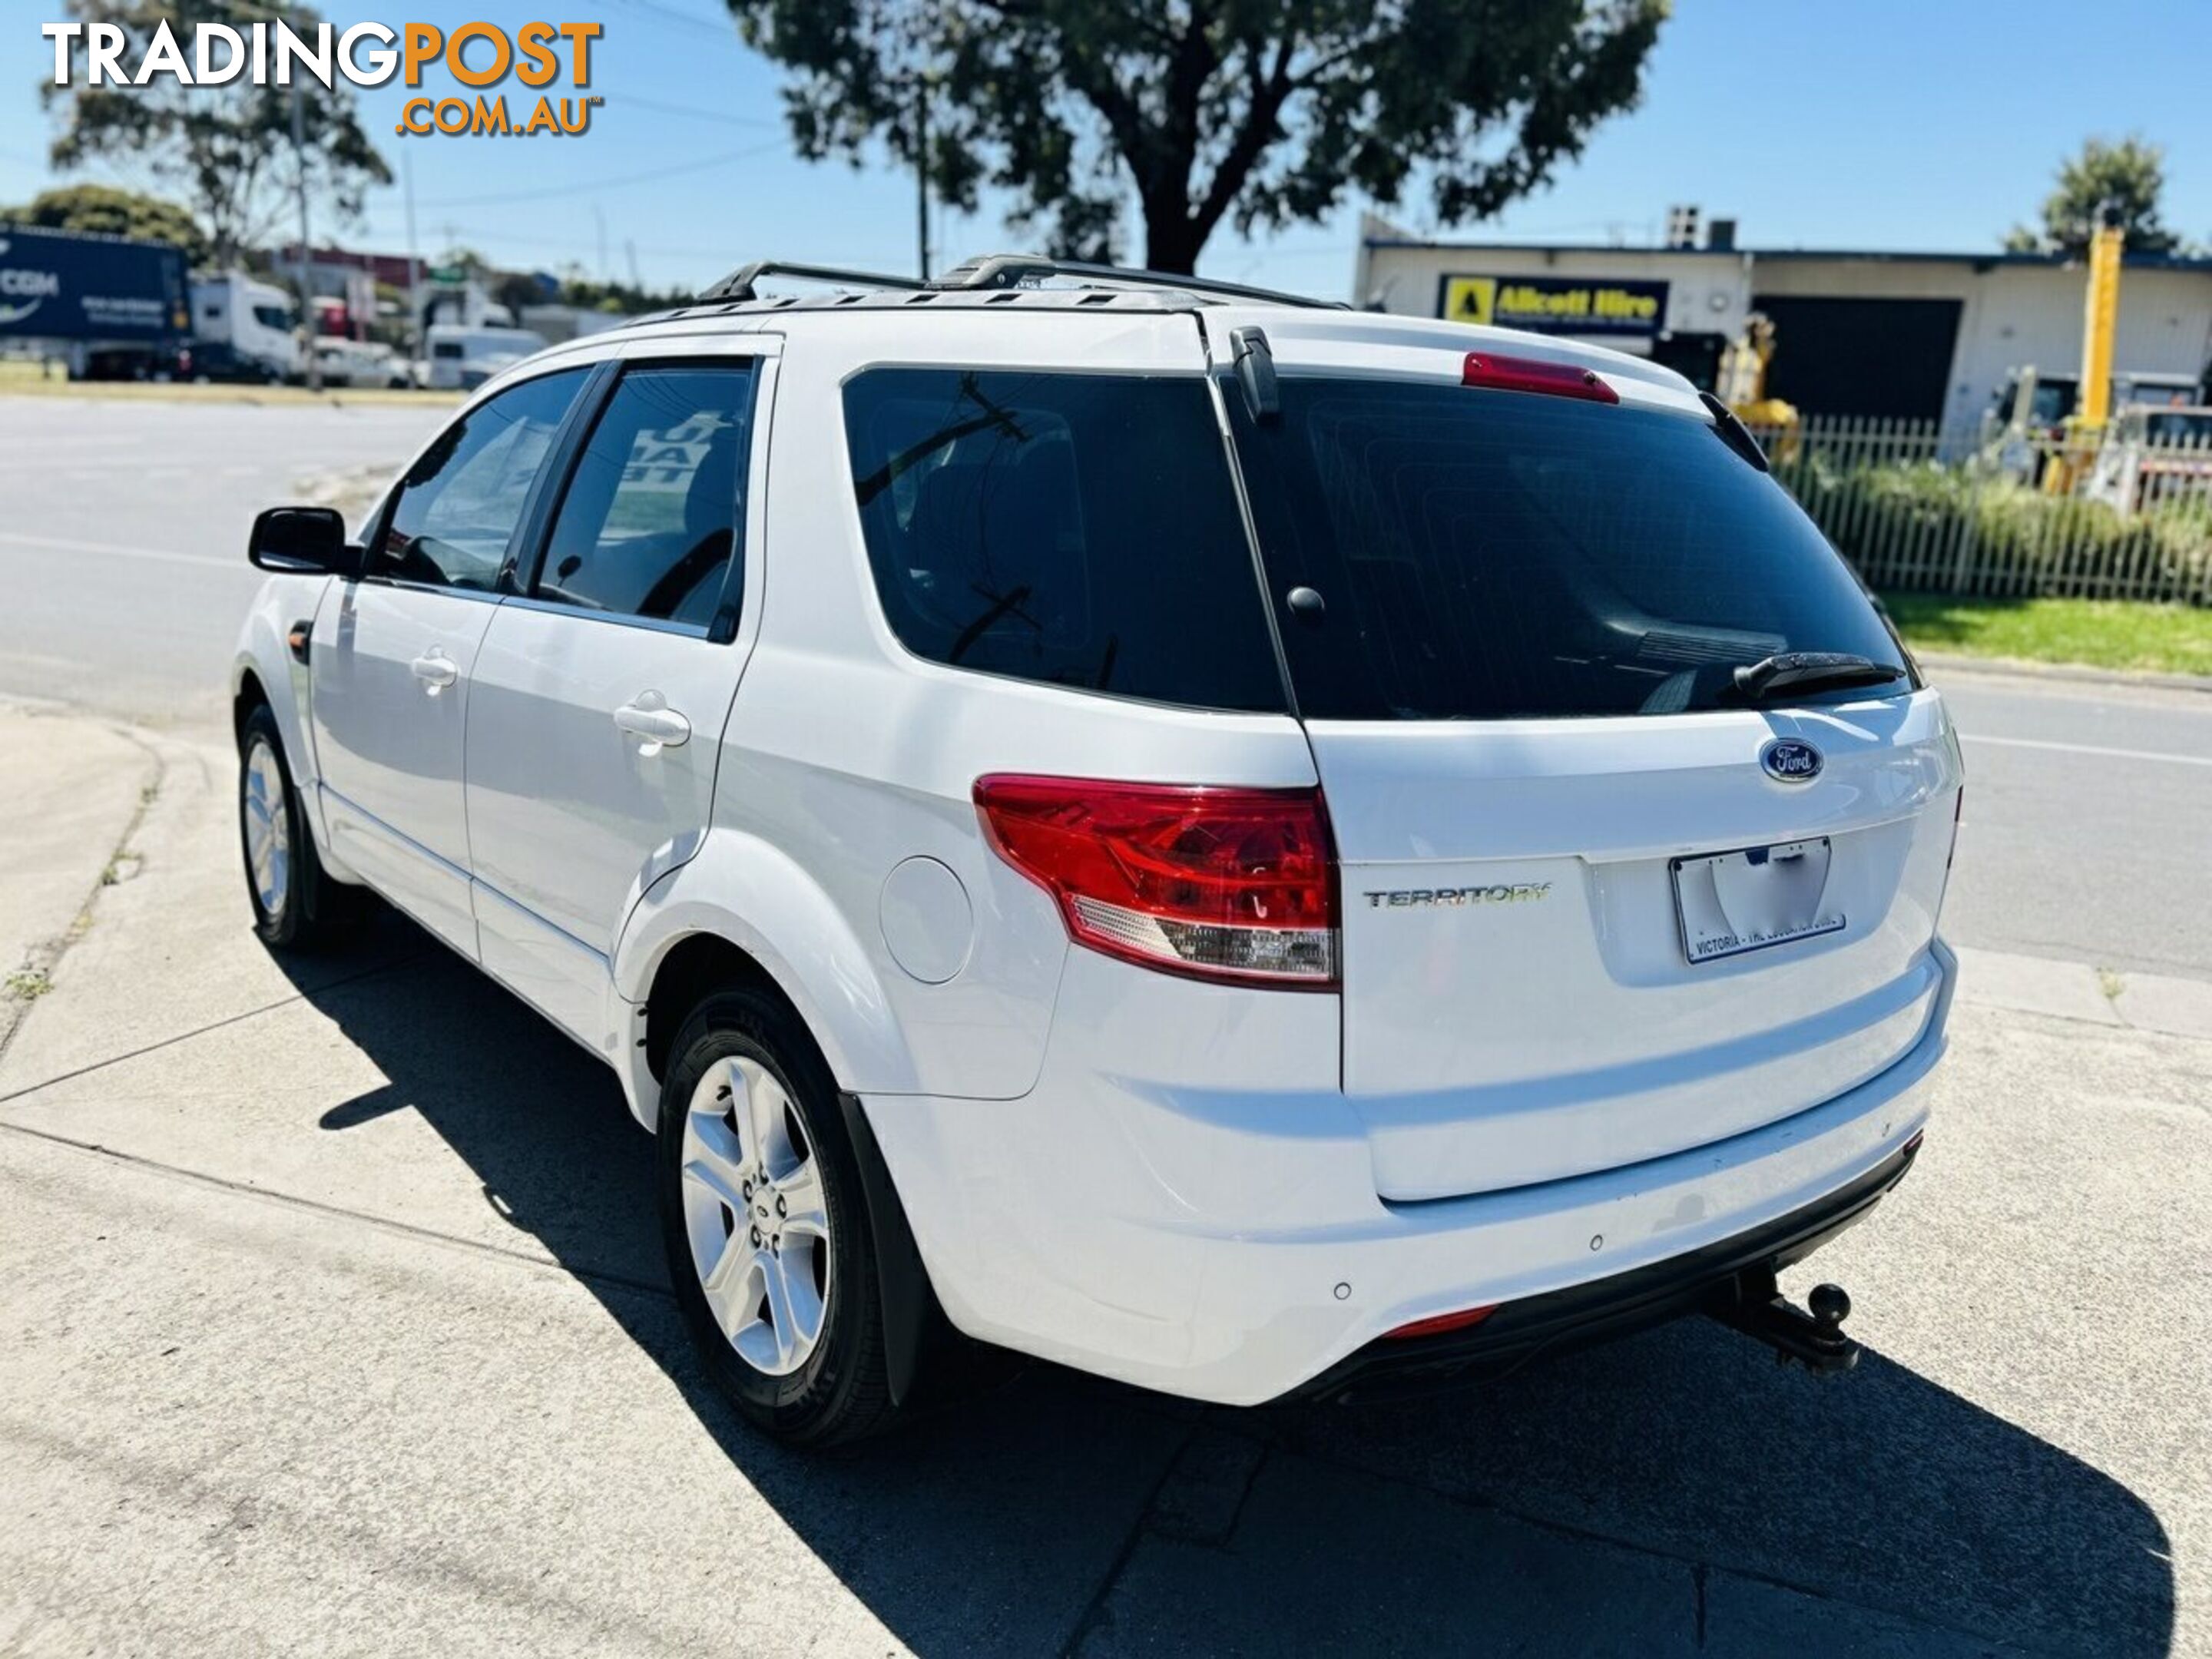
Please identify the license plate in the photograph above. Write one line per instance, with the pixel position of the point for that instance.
(1755, 896)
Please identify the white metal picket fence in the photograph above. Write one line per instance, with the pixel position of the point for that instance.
(1915, 508)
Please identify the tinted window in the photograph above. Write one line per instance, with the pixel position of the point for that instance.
(1499, 554)
(460, 503)
(650, 523)
(2163, 427)
(1077, 529)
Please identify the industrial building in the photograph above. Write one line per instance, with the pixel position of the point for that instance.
(1932, 336)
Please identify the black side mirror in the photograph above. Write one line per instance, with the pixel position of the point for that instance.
(303, 541)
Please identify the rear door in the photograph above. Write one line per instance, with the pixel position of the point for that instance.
(600, 694)
(1599, 904)
(390, 662)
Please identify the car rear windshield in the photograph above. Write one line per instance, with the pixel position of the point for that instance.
(1498, 555)
(1080, 530)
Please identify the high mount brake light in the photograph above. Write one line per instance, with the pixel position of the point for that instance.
(1500, 374)
(1233, 885)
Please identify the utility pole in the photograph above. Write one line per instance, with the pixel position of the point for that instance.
(598, 218)
(306, 295)
(414, 349)
(922, 172)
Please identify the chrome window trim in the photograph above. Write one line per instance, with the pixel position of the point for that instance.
(621, 619)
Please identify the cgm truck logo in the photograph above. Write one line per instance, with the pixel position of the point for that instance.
(18, 284)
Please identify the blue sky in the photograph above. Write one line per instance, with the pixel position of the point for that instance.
(1875, 123)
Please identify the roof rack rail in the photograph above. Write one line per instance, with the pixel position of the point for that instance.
(1014, 269)
(738, 284)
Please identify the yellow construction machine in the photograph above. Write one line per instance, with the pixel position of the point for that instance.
(1742, 384)
(2101, 315)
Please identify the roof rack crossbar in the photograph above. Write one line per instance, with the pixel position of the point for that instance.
(1013, 270)
(738, 284)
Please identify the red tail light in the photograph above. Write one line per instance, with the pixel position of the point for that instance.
(1229, 884)
(1487, 369)
(1441, 1323)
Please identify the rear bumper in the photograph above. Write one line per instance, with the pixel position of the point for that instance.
(1230, 1247)
(1603, 1308)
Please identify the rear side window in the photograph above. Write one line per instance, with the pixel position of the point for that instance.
(1500, 554)
(1080, 530)
(650, 524)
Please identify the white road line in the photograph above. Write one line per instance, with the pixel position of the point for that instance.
(156, 555)
(2091, 749)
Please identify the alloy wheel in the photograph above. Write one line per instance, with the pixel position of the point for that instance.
(755, 1216)
(268, 828)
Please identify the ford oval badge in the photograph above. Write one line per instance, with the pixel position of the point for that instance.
(1788, 760)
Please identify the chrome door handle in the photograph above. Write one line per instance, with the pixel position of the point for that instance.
(653, 723)
(435, 670)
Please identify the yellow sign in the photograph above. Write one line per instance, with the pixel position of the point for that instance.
(1470, 299)
(1555, 305)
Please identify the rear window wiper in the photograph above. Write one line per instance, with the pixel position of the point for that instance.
(1811, 671)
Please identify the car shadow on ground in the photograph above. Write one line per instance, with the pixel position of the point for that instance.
(998, 1526)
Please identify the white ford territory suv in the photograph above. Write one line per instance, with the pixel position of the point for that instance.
(1252, 849)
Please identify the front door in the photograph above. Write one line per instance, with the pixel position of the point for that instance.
(600, 694)
(391, 661)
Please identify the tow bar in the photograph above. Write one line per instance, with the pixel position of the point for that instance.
(1753, 1303)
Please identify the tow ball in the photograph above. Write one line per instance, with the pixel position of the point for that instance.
(1812, 1336)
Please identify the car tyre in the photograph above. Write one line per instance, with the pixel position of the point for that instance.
(765, 1217)
(296, 905)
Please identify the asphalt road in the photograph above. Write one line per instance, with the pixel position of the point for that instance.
(123, 571)
(123, 580)
(2088, 819)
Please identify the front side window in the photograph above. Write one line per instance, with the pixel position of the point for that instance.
(651, 523)
(460, 503)
(1503, 555)
(1080, 530)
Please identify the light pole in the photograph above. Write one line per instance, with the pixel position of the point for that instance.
(307, 293)
(922, 172)
(415, 352)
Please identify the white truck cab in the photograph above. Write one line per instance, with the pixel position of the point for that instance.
(463, 357)
(252, 318)
(1255, 849)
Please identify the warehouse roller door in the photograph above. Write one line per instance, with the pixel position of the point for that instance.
(1853, 357)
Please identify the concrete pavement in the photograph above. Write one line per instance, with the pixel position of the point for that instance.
(74, 788)
(341, 1327)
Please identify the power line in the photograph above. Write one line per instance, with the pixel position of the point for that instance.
(615, 182)
(724, 31)
(489, 234)
(630, 100)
